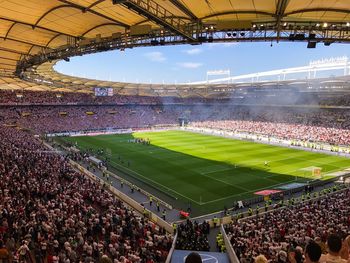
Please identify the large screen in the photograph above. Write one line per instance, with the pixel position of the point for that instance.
(103, 91)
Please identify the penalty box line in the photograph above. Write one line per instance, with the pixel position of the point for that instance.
(287, 182)
(255, 190)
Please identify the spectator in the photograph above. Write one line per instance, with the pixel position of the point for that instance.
(59, 215)
(334, 245)
(290, 227)
(260, 259)
(4, 254)
(193, 257)
(193, 236)
(312, 252)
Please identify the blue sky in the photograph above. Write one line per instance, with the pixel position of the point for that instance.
(184, 63)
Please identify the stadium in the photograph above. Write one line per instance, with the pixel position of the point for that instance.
(246, 168)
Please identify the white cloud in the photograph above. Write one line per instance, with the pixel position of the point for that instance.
(191, 65)
(193, 51)
(224, 44)
(155, 56)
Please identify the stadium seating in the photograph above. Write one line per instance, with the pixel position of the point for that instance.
(193, 236)
(44, 214)
(48, 211)
(63, 114)
(278, 232)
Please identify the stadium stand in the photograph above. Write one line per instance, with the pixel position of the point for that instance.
(321, 125)
(51, 213)
(193, 236)
(277, 233)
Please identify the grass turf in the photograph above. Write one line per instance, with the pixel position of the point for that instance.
(206, 171)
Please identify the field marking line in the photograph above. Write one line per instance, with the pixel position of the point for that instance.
(157, 183)
(256, 190)
(299, 169)
(240, 187)
(215, 171)
(257, 162)
(284, 170)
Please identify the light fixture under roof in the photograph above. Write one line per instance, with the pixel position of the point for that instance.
(325, 24)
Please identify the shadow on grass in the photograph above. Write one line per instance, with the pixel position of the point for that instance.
(180, 179)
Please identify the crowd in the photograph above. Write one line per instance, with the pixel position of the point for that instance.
(193, 236)
(331, 126)
(276, 233)
(77, 118)
(19, 97)
(51, 213)
(248, 96)
(282, 130)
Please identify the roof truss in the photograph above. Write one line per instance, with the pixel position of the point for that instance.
(87, 9)
(158, 14)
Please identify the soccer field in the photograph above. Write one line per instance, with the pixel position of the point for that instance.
(206, 171)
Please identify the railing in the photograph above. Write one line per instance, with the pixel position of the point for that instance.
(170, 255)
(229, 249)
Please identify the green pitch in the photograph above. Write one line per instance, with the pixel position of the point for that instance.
(206, 171)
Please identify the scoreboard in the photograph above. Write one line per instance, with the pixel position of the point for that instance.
(103, 92)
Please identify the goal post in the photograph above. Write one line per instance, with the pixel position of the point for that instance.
(316, 172)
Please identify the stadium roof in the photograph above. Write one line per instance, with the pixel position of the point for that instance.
(32, 27)
(45, 77)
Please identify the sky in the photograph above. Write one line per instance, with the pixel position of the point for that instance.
(186, 63)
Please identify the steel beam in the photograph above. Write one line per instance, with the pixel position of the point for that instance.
(237, 12)
(184, 9)
(93, 4)
(307, 10)
(22, 42)
(5, 64)
(50, 11)
(10, 59)
(104, 24)
(262, 32)
(158, 14)
(12, 51)
(37, 26)
(86, 9)
(52, 39)
(280, 9)
(10, 28)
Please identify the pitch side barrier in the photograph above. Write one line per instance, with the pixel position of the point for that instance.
(92, 132)
(110, 130)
